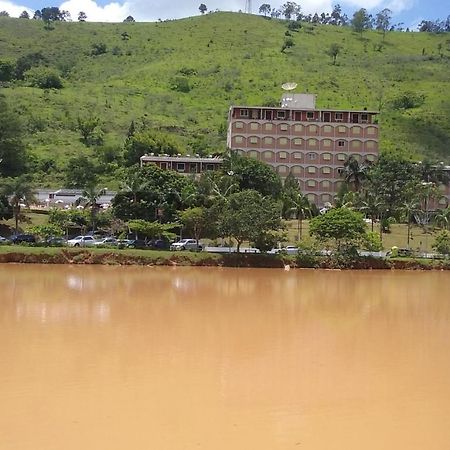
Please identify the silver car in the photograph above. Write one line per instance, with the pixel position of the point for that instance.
(82, 241)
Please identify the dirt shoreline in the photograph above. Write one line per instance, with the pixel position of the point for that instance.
(85, 256)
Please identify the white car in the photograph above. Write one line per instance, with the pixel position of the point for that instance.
(288, 250)
(186, 244)
(82, 241)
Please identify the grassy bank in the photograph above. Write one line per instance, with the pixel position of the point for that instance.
(49, 255)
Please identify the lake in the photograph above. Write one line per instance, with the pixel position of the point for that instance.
(95, 357)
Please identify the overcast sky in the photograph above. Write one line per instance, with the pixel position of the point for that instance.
(409, 12)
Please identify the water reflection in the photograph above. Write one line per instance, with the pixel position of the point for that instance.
(192, 358)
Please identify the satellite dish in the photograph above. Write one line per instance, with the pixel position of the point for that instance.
(289, 86)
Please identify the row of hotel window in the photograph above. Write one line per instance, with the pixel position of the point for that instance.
(315, 130)
(309, 156)
(311, 143)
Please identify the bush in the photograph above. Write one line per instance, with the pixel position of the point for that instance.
(6, 70)
(98, 49)
(180, 84)
(442, 243)
(44, 78)
(372, 242)
(408, 100)
(308, 251)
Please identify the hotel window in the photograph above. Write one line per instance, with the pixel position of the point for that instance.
(282, 169)
(312, 156)
(311, 197)
(326, 170)
(356, 131)
(312, 142)
(339, 117)
(297, 155)
(181, 167)
(327, 129)
(371, 131)
(254, 126)
(283, 155)
(326, 143)
(243, 113)
(364, 118)
(312, 169)
(253, 154)
(341, 143)
(297, 141)
(370, 144)
(341, 157)
(281, 114)
(268, 140)
(342, 129)
(309, 115)
(311, 183)
(298, 128)
(326, 156)
(356, 144)
(253, 140)
(312, 129)
(326, 184)
(239, 139)
(297, 170)
(239, 125)
(283, 141)
(267, 155)
(268, 127)
(284, 127)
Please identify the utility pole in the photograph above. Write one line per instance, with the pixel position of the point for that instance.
(248, 6)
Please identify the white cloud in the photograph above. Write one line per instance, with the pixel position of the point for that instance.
(112, 12)
(398, 6)
(13, 9)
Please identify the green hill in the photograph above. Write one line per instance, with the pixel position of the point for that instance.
(181, 77)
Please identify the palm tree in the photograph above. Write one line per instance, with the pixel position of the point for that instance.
(20, 192)
(442, 218)
(300, 205)
(134, 184)
(355, 173)
(89, 199)
(410, 207)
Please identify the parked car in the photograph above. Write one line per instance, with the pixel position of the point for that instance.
(19, 238)
(3, 240)
(137, 243)
(81, 241)
(56, 241)
(401, 252)
(186, 244)
(159, 244)
(288, 250)
(106, 242)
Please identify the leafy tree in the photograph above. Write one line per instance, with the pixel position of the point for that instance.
(265, 9)
(26, 62)
(46, 231)
(20, 192)
(53, 14)
(442, 218)
(89, 199)
(44, 78)
(6, 210)
(4, 14)
(288, 43)
(442, 243)
(150, 141)
(202, 8)
(383, 21)
(6, 70)
(12, 149)
(333, 51)
(290, 9)
(91, 133)
(341, 227)
(361, 21)
(180, 84)
(129, 19)
(37, 15)
(247, 215)
(24, 15)
(195, 221)
(372, 242)
(151, 230)
(98, 48)
(337, 18)
(82, 16)
(80, 172)
(250, 173)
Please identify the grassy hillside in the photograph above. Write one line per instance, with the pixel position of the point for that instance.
(226, 58)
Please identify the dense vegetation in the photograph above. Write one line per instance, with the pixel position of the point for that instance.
(91, 97)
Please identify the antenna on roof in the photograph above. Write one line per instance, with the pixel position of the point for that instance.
(288, 86)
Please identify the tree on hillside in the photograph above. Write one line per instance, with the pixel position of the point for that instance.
(290, 9)
(12, 149)
(24, 15)
(91, 133)
(336, 16)
(20, 192)
(80, 172)
(265, 9)
(129, 19)
(27, 61)
(247, 215)
(7, 69)
(333, 51)
(82, 16)
(383, 21)
(44, 78)
(4, 14)
(202, 8)
(361, 21)
(37, 15)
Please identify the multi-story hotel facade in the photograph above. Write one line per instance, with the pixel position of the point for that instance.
(312, 144)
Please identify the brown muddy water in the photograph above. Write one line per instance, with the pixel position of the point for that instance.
(113, 358)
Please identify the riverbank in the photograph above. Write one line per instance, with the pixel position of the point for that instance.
(50, 255)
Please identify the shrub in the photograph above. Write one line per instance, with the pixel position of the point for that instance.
(98, 49)
(408, 100)
(44, 78)
(308, 251)
(180, 84)
(372, 242)
(6, 70)
(442, 243)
